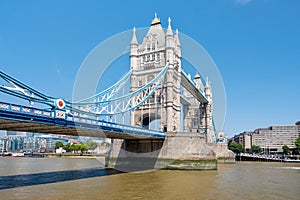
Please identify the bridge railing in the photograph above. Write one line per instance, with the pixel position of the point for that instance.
(25, 110)
(121, 127)
(63, 115)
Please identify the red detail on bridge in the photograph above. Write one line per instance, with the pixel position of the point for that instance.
(60, 103)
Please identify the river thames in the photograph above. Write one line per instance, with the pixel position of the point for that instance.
(66, 178)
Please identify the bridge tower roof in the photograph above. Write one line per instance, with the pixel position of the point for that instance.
(156, 20)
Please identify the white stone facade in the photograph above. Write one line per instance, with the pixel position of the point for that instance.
(147, 60)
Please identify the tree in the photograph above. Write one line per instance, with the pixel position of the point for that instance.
(235, 147)
(67, 147)
(58, 144)
(286, 149)
(83, 147)
(91, 145)
(76, 147)
(255, 149)
(297, 143)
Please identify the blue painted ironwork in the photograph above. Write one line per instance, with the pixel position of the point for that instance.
(105, 103)
(23, 91)
(122, 104)
(108, 93)
(61, 118)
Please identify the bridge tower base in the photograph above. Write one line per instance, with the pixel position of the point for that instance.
(186, 151)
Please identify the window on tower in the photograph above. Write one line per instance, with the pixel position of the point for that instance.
(158, 56)
(148, 57)
(148, 47)
(153, 46)
(158, 99)
(153, 57)
(140, 83)
(152, 98)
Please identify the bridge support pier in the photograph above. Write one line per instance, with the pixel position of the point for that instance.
(187, 151)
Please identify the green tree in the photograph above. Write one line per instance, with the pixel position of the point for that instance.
(255, 149)
(67, 147)
(235, 147)
(76, 147)
(58, 144)
(91, 145)
(297, 143)
(286, 149)
(83, 147)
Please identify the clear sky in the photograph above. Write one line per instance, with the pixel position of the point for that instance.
(255, 44)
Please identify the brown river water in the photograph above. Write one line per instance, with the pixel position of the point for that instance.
(66, 178)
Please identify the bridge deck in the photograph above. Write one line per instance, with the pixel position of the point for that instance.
(27, 119)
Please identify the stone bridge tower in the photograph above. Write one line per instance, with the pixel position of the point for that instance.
(147, 60)
(197, 117)
(174, 100)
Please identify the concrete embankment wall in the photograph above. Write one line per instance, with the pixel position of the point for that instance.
(176, 151)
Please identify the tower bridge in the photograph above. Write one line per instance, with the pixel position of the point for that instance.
(160, 91)
(148, 58)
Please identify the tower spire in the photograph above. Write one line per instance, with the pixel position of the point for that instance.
(134, 40)
(177, 37)
(169, 29)
(169, 21)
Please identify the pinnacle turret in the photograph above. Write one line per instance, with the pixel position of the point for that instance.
(169, 29)
(134, 40)
(177, 37)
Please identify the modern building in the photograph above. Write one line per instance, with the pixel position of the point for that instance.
(244, 138)
(16, 141)
(270, 139)
(13, 141)
(298, 127)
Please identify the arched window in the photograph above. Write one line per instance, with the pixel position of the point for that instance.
(158, 56)
(148, 47)
(153, 46)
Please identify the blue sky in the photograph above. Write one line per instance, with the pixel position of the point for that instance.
(255, 44)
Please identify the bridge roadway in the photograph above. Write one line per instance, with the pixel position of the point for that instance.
(28, 119)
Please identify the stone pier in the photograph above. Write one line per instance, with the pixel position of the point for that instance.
(187, 151)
